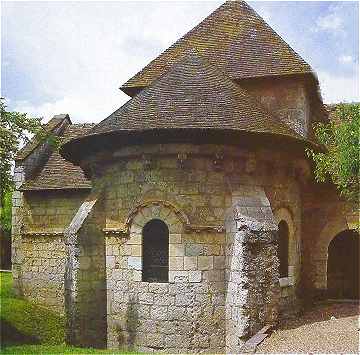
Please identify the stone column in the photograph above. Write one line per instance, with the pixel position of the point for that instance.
(73, 273)
(253, 290)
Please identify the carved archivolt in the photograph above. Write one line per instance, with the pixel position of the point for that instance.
(164, 210)
(183, 218)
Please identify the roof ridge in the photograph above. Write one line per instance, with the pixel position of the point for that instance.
(178, 40)
(232, 20)
(270, 28)
(55, 122)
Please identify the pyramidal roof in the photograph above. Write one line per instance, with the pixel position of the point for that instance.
(234, 38)
(193, 94)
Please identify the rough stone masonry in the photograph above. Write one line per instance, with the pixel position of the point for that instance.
(158, 229)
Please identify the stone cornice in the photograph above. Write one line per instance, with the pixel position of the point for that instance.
(116, 232)
(124, 233)
(220, 156)
(203, 228)
(43, 233)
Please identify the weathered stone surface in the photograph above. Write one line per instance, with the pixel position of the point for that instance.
(253, 292)
(211, 297)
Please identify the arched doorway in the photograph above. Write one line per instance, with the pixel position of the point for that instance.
(343, 266)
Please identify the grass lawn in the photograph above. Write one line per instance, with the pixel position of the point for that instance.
(29, 328)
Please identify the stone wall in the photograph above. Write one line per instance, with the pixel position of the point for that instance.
(40, 274)
(25, 169)
(50, 211)
(189, 195)
(290, 284)
(326, 215)
(190, 188)
(42, 270)
(184, 315)
(286, 98)
(252, 287)
(85, 278)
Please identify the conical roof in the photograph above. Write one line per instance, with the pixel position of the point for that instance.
(235, 39)
(192, 95)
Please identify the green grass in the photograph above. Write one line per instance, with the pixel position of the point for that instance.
(29, 328)
(53, 349)
(26, 322)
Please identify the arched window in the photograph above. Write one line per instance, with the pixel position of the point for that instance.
(283, 249)
(155, 246)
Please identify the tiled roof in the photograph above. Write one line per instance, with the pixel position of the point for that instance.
(192, 94)
(234, 38)
(49, 127)
(58, 173)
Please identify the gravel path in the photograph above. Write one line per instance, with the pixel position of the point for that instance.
(317, 332)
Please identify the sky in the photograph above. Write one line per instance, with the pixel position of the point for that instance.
(72, 57)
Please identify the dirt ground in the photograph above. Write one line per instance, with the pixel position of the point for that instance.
(326, 328)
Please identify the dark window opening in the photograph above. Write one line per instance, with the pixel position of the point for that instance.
(283, 249)
(155, 246)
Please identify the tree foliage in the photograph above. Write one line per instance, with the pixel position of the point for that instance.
(16, 129)
(340, 162)
(5, 211)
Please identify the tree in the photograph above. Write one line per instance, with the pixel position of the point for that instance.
(16, 129)
(5, 211)
(340, 160)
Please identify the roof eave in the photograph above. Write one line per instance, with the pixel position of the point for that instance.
(54, 188)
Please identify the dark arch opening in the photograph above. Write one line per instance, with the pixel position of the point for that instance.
(155, 246)
(343, 266)
(283, 249)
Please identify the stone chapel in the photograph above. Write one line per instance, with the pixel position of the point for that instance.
(189, 218)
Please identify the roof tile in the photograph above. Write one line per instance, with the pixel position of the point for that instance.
(58, 173)
(193, 94)
(234, 38)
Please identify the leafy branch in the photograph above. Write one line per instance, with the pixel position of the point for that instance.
(340, 162)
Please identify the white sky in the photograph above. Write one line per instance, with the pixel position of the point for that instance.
(71, 57)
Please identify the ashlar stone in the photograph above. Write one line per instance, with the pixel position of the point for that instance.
(194, 249)
(205, 262)
(135, 262)
(190, 263)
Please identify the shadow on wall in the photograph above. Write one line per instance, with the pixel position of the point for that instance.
(92, 287)
(132, 319)
(127, 337)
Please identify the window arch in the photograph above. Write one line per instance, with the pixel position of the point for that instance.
(283, 249)
(155, 246)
